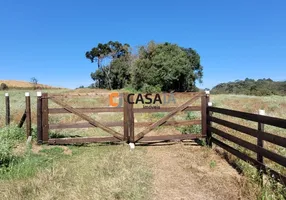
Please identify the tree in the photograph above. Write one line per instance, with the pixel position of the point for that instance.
(119, 76)
(157, 67)
(34, 81)
(261, 87)
(110, 51)
(168, 67)
(3, 86)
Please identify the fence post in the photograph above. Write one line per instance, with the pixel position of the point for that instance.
(7, 102)
(260, 144)
(45, 117)
(126, 116)
(209, 133)
(28, 114)
(39, 118)
(204, 104)
(131, 120)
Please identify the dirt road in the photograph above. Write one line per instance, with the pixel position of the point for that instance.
(184, 171)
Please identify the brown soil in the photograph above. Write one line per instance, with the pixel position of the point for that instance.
(187, 171)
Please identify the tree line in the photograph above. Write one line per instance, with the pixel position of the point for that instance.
(152, 68)
(260, 87)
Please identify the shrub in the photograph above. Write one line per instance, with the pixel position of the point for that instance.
(151, 89)
(3, 86)
(192, 128)
(9, 137)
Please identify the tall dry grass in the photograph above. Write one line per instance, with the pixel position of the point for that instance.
(98, 172)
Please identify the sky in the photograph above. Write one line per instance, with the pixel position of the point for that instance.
(48, 39)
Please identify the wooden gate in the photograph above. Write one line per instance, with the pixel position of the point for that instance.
(128, 135)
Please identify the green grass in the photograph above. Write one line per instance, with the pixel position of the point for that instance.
(9, 137)
(16, 157)
(97, 172)
(193, 129)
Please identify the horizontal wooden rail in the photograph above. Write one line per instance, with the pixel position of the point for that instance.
(264, 152)
(86, 110)
(68, 95)
(115, 109)
(275, 139)
(170, 137)
(81, 140)
(120, 123)
(281, 123)
(88, 118)
(246, 158)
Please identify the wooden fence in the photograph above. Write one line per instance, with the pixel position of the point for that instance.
(26, 114)
(207, 121)
(258, 133)
(128, 123)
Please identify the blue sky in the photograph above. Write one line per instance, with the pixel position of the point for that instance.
(48, 39)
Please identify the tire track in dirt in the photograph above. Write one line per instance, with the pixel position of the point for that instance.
(184, 171)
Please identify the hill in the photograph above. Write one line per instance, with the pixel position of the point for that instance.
(24, 84)
(260, 87)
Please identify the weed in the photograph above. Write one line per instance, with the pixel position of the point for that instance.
(193, 129)
(212, 164)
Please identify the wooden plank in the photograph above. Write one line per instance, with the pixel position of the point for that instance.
(264, 152)
(74, 95)
(131, 121)
(84, 125)
(209, 133)
(204, 115)
(45, 117)
(82, 140)
(89, 119)
(8, 114)
(170, 137)
(125, 117)
(62, 95)
(121, 123)
(85, 110)
(260, 144)
(165, 109)
(252, 117)
(115, 109)
(39, 118)
(279, 177)
(164, 119)
(23, 118)
(275, 139)
(29, 116)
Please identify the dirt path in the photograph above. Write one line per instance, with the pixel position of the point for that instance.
(192, 172)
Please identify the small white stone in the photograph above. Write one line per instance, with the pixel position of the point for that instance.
(207, 92)
(29, 140)
(132, 146)
(210, 103)
(261, 112)
(39, 94)
(27, 94)
(6, 95)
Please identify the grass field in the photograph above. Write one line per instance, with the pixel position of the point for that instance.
(178, 171)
